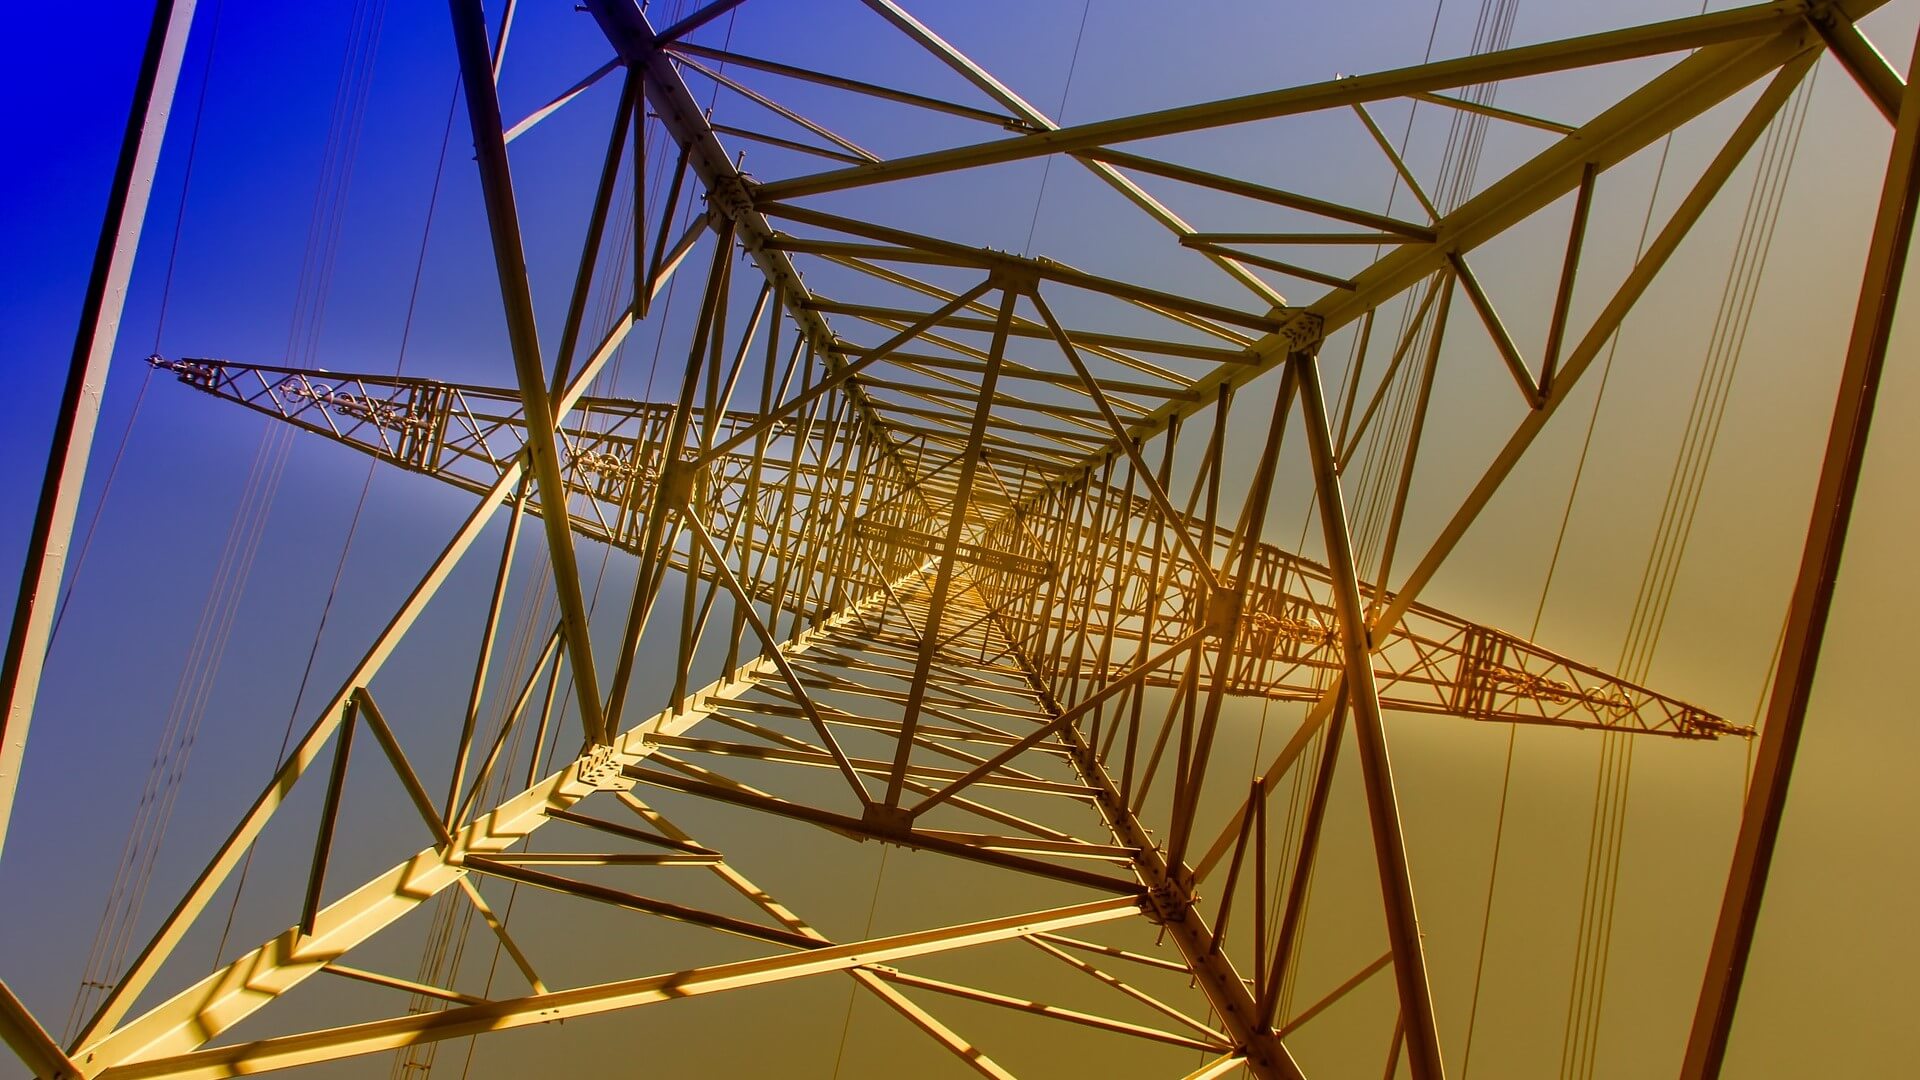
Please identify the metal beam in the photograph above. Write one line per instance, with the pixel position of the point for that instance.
(1604, 326)
(372, 1037)
(30, 1042)
(1396, 883)
(73, 426)
(626, 27)
(949, 557)
(306, 751)
(510, 261)
(1613, 46)
(254, 980)
(1813, 590)
(1861, 60)
(1676, 96)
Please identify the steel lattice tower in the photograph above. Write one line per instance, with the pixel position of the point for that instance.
(967, 577)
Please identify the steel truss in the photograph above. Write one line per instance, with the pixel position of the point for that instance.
(951, 563)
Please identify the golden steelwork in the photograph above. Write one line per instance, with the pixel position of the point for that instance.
(950, 561)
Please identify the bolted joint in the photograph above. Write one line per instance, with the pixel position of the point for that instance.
(1015, 278)
(887, 821)
(1223, 609)
(729, 197)
(1163, 904)
(600, 770)
(676, 482)
(1303, 330)
(199, 374)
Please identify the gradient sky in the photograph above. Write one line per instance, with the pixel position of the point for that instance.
(1829, 992)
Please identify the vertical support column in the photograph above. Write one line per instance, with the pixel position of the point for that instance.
(93, 346)
(503, 221)
(1404, 487)
(1287, 938)
(1174, 902)
(656, 548)
(1812, 596)
(1226, 611)
(1389, 844)
(956, 524)
(489, 630)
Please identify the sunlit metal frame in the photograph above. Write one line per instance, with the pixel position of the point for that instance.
(1003, 577)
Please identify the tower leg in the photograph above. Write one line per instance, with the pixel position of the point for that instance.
(46, 560)
(1812, 596)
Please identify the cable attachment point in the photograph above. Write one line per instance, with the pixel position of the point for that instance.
(200, 374)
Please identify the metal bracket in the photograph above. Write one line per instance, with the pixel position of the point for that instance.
(1015, 278)
(729, 196)
(1162, 904)
(599, 769)
(884, 820)
(1304, 330)
(1223, 608)
(676, 481)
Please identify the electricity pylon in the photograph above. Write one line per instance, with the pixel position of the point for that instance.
(957, 589)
